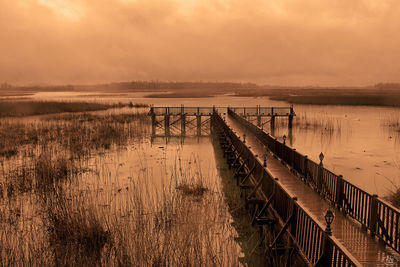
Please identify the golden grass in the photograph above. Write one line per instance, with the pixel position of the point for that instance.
(27, 108)
(76, 133)
(61, 206)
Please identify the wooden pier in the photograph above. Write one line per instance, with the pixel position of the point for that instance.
(184, 121)
(299, 191)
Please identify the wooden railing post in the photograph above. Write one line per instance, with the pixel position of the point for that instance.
(339, 191)
(320, 177)
(293, 157)
(294, 217)
(320, 181)
(327, 253)
(373, 215)
(305, 174)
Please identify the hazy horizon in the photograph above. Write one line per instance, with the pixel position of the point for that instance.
(283, 42)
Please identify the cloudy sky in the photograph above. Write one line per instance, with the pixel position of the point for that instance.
(285, 42)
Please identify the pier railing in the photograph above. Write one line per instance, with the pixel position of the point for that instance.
(205, 111)
(265, 111)
(170, 121)
(374, 214)
(317, 247)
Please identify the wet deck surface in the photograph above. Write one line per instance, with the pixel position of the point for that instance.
(366, 249)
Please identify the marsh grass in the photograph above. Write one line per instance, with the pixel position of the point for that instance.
(28, 108)
(393, 193)
(60, 207)
(49, 172)
(357, 99)
(78, 133)
(391, 122)
(73, 225)
(394, 197)
(192, 187)
(322, 122)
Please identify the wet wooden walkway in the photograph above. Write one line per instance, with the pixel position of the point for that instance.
(366, 249)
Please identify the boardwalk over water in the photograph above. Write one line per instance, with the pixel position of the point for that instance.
(366, 249)
(297, 191)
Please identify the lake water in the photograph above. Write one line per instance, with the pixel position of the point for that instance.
(358, 146)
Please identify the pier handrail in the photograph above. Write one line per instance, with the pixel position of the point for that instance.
(317, 247)
(373, 213)
(249, 111)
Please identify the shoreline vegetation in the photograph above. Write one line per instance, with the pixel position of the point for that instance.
(32, 108)
(181, 95)
(345, 100)
(329, 96)
(60, 205)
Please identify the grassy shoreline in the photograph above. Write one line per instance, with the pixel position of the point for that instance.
(32, 108)
(346, 100)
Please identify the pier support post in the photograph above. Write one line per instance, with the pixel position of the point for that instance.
(153, 121)
(291, 114)
(258, 117)
(290, 136)
(198, 117)
(183, 121)
(272, 121)
(166, 123)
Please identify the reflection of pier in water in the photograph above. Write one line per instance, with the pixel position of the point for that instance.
(195, 121)
(290, 196)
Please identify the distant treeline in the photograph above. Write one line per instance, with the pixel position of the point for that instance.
(155, 85)
(242, 89)
(135, 86)
(387, 86)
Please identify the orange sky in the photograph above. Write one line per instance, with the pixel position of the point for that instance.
(286, 42)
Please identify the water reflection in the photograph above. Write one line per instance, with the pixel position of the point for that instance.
(355, 142)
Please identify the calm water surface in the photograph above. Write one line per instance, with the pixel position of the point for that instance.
(359, 147)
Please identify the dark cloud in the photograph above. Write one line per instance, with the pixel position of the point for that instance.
(277, 42)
